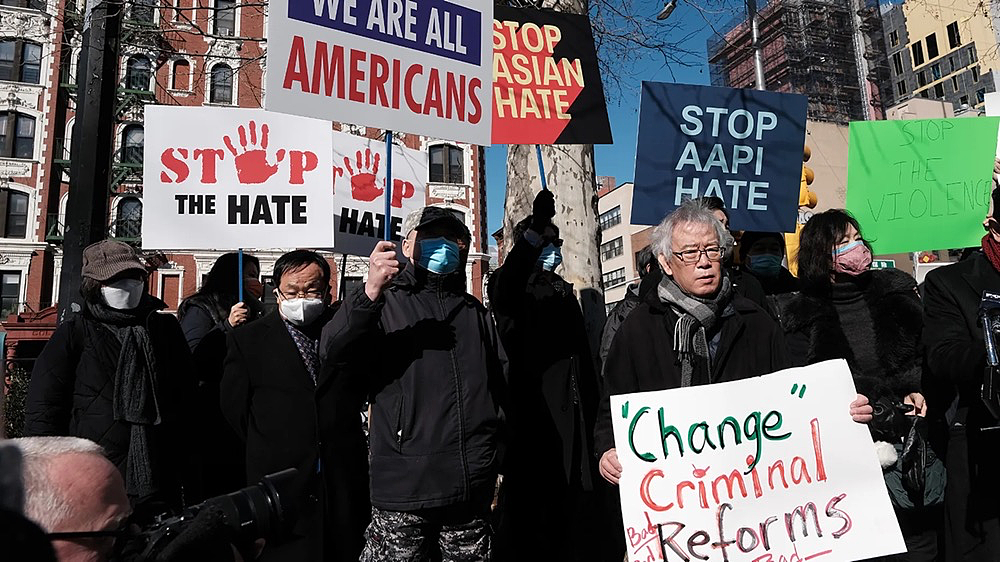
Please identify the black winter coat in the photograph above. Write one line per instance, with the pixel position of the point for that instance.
(553, 385)
(435, 369)
(72, 392)
(288, 422)
(642, 357)
(814, 333)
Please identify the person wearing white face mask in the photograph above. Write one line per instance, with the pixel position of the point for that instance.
(291, 413)
(116, 374)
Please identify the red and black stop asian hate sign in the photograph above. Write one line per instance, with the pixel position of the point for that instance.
(546, 82)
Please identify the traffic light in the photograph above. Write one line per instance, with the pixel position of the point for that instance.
(807, 200)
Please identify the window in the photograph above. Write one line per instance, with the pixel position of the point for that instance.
(16, 216)
(951, 62)
(935, 72)
(222, 84)
(924, 94)
(939, 90)
(129, 221)
(921, 78)
(10, 293)
(901, 87)
(954, 37)
(954, 83)
(20, 61)
(611, 218)
(981, 95)
(33, 4)
(918, 54)
(611, 249)
(964, 100)
(137, 74)
(897, 63)
(17, 135)
(225, 18)
(975, 74)
(972, 54)
(181, 78)
(893, 38)
(447, 164)
(143, 11)
(932, 49)
(613, 278)
(132, 143)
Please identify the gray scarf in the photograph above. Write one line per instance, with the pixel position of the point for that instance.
(135, 392)
(696, 317)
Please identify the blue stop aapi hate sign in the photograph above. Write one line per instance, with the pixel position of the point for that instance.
(744, 146)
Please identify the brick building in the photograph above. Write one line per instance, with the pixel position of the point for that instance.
(181, 52)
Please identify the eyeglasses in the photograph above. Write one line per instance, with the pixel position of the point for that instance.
(310, 294)
(119, 537)
(691, 257)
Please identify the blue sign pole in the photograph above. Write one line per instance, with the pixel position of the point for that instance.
(388, 185)
(239, 267)
(541, 167)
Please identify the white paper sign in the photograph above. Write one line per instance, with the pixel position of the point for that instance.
(765, 469)
(993, 109)
(359, 191)
(227, 178)
(419, 66)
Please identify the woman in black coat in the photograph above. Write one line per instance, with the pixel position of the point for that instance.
(118, 373)
(871, 318)
(206, 317)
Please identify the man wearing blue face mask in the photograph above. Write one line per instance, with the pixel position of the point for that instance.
(553, 400)
(762, 254)
(430, 356)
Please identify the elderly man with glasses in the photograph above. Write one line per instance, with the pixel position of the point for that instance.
(692, 330)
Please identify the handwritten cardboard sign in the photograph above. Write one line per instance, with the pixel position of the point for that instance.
(418, 66)
(744, 146)
(765, 469)
(228, 178)
(921, 184)
(359, 191)
(546, 81)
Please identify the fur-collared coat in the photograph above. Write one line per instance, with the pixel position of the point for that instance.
(815, 333)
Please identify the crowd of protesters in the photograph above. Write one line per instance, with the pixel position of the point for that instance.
(489, 430)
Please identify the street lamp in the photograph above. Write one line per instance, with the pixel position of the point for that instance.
(668, 8)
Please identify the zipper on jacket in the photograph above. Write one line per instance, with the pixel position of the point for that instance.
(461, 406)
(399, 424)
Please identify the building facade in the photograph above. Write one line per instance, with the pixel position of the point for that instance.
(187, 53)
(829, 50)
(621, 241)
(939, 52)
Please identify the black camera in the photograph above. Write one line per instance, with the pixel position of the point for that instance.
(260, 511)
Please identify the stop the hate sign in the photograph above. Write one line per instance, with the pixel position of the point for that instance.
(743, 146)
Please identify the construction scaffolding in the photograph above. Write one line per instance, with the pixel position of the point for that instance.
(808, 47)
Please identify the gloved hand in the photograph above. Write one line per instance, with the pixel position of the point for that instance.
(542, 210)
(206, 538)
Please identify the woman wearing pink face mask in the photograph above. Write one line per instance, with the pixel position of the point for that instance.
(873, 319)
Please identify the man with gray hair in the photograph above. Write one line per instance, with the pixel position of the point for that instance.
(74, 494)
(691, 330)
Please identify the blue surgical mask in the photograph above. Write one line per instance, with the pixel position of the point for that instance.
(847, 248)
(551, 257)
(438, 255)
(765, 265)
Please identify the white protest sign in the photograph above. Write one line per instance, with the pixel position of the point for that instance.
(761, 470)
(993, 109)
(227, 178)
(359, 191)
(419, 66)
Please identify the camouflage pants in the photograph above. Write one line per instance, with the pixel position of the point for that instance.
(449, 534)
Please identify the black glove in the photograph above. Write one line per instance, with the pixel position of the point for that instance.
(206, 538)
(542, 210)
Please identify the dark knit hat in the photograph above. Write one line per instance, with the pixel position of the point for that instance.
(751, 237)
(107, 258)
(419, 219)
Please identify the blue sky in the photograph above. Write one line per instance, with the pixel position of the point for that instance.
(617, 159)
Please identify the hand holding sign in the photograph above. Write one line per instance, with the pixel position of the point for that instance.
(252, 166)
(382, 268)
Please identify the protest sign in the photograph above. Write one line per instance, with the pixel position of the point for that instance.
(764, 469)
(418, 66)
(359, 191)
(744, 146)
(921, 184)
(227, 178)
(546, 83)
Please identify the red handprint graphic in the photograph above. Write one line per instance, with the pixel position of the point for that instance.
(363, 186)
(252, 166)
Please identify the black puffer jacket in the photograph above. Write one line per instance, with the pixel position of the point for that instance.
(880, 338)
(437, 374)
(72, 390)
